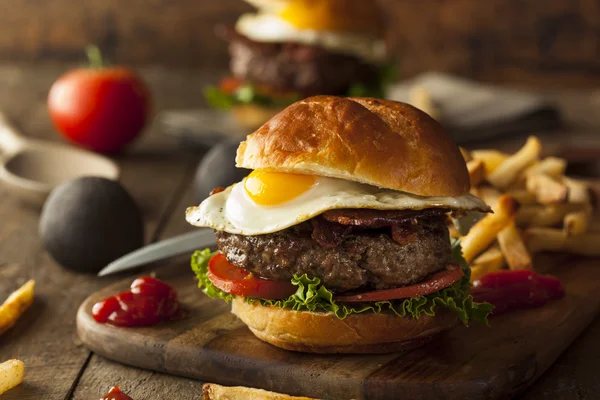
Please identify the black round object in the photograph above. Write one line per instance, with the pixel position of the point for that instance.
(89, 222)
(217, 169)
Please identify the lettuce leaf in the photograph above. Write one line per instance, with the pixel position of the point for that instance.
(386, 75)
(200, 260)
(245, 94)
(217, 98)
(249, 94)
(311, 295)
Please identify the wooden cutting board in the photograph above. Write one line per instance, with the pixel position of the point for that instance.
(478, 362)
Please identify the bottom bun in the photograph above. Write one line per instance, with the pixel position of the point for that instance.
(251, 116)
(318, 332)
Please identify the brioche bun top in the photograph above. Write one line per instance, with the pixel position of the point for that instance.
(361, 16)
(382, 143)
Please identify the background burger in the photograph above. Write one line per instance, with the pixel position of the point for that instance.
(291, 49)
(338, 240)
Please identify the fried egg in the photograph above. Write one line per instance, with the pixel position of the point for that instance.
(267, 202)
(266, 27)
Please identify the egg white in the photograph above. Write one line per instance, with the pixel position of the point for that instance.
(233, 211)
(265, 27)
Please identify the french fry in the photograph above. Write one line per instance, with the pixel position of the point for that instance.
(579, 192)
(513, 248)
(551, 166)
(546, 189)
(555, 212)
(555, 240)
(484, 232)
(509, 170)
(576, 223)
(12, 373)
(421, 98)
(491, 158)
(16, 304)
(523, 197)
(489, 195)
(544, 216)
(465, 153)
(488, 261)
(476, 171)
(544, 239)
(212, 391)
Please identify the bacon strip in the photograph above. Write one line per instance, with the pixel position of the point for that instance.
(331, 227)
(216, 190)
(327, 234)
(378, 218)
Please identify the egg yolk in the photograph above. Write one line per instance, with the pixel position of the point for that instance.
(273, 188)
(333, 15)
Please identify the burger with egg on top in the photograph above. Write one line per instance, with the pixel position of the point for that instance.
(291, 49)
(337, 241)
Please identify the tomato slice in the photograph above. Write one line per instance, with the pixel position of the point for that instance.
(237, 281)
(229, 85)
(435, 282)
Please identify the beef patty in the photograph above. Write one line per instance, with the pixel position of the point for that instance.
(306, 69)
(348, 249)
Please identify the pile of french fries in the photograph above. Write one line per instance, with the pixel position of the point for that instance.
(12, 372)
(536, 209)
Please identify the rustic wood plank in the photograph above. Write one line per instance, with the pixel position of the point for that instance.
(91, 383)
(100, 371)
(22, 95)
(49, 340)
(100, 374)
(45, 338)
(538, 42)
(474, 362)
(179, 33)
(574, 375)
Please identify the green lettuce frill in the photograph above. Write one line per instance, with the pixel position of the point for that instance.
(311, 295)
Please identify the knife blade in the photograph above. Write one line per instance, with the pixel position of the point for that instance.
(187, 242)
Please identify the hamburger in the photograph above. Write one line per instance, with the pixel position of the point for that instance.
(338, 240)
(291, 49)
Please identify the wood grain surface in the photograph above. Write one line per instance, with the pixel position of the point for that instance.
(58, 366)
(537, 42)
(480, 362)
(45, 338)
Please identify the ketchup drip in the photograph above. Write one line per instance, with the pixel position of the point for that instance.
(149, 302)
(513, 290)
(115, 394)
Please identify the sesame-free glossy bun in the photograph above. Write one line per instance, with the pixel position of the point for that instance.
(318, 332)
(378, 142)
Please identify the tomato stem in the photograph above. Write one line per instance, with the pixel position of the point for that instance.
(94, 56)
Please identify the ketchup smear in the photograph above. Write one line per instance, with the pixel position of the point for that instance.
(149, 302)
(115, 394)
(512, 290)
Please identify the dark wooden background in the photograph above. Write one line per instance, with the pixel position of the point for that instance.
(534, 42)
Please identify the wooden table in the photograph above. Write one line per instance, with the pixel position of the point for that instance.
(158, 173)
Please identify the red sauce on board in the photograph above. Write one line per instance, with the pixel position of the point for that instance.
(115, 394)
(513, 290)
(149, 302)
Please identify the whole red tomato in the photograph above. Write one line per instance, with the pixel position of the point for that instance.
(100, 108)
